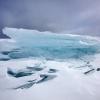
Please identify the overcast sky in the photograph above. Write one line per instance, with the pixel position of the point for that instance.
(69, 16)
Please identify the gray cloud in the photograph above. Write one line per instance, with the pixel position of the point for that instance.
(70, 16)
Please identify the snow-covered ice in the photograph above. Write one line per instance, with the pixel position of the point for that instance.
(48, 66)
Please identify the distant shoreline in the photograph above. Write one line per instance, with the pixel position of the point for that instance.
(3, 36)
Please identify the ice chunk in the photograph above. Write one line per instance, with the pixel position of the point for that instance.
(33, 43)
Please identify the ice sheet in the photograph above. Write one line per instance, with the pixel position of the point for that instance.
(47, 66)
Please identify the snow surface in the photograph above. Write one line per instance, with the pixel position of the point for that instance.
(59, 72)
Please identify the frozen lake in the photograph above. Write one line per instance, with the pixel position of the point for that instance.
(49, 66)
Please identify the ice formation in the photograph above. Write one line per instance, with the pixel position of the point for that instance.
(49, 66)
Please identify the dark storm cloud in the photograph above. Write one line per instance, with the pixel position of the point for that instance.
(70, 16)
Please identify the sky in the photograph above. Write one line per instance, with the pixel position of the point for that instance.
(60, 16)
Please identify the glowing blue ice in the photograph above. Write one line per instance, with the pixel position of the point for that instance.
(32, 43)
